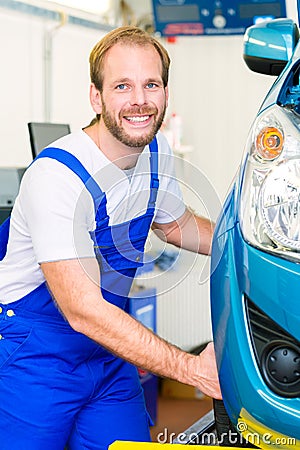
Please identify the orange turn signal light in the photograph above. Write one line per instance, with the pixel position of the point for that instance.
(269, 143)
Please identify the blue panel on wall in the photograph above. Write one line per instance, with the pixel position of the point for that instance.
(142, 306)
(208, 17)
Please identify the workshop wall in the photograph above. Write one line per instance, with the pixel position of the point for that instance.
(22, 79)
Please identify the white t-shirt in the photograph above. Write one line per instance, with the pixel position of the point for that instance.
(54, 213)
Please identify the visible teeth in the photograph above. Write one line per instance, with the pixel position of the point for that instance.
(138, 119)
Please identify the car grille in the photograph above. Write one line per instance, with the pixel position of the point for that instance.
(263, 328)
(277, 352)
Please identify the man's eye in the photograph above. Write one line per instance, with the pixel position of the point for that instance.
(151, 85)
(121, 87)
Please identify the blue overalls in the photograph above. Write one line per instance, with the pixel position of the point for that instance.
(58, 387)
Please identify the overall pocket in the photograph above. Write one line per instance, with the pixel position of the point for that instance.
(13, 335)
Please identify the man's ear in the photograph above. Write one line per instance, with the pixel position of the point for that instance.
(95, 99)
(167, 95)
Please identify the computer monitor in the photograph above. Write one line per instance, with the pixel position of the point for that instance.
(43, 133)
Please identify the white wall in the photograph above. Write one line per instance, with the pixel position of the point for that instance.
(22, 79)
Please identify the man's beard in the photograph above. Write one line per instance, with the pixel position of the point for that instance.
(118, 131)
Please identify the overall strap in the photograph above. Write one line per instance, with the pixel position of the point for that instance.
(4, 235)
(75, 165)
(97, 194)
(154, 183)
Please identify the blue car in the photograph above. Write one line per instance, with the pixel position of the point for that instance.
(255, 273)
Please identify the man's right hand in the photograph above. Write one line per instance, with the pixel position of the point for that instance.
(208, 381)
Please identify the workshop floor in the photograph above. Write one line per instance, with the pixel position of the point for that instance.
(176, 415)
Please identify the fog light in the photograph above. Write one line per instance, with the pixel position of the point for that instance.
(281, 368)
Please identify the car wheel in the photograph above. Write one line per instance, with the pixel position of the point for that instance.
(227, 435)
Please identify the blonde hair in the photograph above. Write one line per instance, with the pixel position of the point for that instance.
(126, 35)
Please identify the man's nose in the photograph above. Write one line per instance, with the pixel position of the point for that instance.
(138, 96)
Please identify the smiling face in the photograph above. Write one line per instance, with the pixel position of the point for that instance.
(133, 100)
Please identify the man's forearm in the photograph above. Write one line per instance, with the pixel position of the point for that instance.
(190, 232)
(200, 228)
(126, 337)
(82, 304)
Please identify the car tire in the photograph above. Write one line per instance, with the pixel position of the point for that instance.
(227, 435)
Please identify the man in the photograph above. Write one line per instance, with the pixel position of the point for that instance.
(80, 221)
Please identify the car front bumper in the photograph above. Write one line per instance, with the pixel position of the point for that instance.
(241, 274)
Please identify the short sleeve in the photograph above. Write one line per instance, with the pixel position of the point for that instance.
(170, 205)
(58, 212)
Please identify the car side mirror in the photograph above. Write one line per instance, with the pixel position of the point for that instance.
(269, 45)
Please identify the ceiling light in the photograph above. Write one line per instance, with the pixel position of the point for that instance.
(92, 6)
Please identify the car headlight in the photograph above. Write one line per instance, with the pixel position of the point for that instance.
(269, 211)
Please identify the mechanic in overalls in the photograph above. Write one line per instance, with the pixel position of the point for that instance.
(75, 239)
